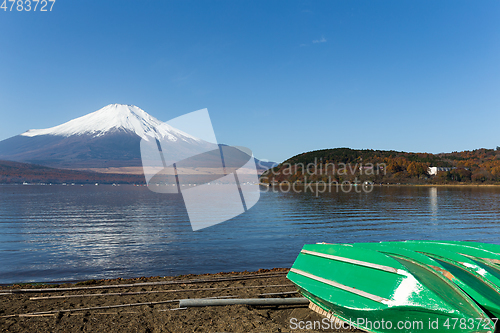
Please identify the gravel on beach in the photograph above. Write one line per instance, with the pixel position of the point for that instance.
(115, 305)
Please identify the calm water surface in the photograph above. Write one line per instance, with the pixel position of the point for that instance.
(54, 233)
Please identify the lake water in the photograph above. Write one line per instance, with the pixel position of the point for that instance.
(55, 233)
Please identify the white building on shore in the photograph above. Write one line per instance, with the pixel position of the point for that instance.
(432, 171)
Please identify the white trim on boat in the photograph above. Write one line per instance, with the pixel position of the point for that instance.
(354, 261)
(340, 286)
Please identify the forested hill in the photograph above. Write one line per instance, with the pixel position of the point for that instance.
(15, 172)
(380, 166)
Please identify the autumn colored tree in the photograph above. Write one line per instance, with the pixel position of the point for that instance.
(394, 167)
(416, 169)
(481, 176)
(478, 165)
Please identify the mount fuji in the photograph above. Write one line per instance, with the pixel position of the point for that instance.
(105, 139)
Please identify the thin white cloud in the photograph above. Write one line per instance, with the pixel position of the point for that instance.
(322, 40)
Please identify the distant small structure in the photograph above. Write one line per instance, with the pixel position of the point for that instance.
(432, 171)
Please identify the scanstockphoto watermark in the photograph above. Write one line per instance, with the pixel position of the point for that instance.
(330, 324)
(319, 177)
(319, 168)
(430, 324)
(320, 187)
(324, 324)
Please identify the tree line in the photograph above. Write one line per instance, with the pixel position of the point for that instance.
(480, 166)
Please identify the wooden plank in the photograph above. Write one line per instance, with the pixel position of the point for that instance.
(336, 321)
(159, 291)
(141, 284)
(198, 302)
(99, 307)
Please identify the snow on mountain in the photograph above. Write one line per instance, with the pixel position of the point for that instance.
(107, 138)
(115, 117)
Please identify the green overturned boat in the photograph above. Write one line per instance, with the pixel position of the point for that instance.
(466, 258)
(495, 248)
(483, 251)
(461, 270)
(383, 292)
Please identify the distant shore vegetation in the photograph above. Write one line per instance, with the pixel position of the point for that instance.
(480, 166)
(18, 173)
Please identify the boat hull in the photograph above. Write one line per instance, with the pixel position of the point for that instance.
(334, 278)
(478, 279)
(473, 284)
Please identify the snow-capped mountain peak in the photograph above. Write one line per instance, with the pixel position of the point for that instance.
(115, 117)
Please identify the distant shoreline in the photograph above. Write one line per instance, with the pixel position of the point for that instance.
(455, 185)
(388, 185)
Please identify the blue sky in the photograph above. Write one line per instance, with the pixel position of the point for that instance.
(279, 77)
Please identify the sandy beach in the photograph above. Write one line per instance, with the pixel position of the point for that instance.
(151, 305)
